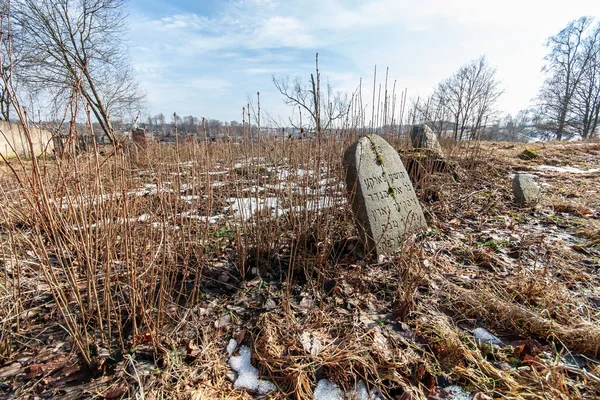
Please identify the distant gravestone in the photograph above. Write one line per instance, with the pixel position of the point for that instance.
(525, 189)
(138, 136)
(383, 200)
(422, 137)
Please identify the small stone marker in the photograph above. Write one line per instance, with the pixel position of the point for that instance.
(525, 189)
(138, 136)
(383, 200)
(422, 137)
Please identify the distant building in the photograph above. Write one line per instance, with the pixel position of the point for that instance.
(13, 141)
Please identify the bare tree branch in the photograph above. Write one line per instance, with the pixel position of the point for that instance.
(68, 44)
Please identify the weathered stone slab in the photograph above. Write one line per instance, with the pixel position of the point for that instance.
(384, 203)
(422, 137)
(525, 189)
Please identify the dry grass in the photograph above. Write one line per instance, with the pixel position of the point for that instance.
(127, 274)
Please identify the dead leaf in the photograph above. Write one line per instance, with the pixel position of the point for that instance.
(239, 337)
(192, 350)
(34, 371)
(311, 343)
(116, 392)
(533, 361)
(144, 338)
(224, 321)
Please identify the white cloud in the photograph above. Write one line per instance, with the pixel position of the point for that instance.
(210, 84)
(422, 43)
(281, 32)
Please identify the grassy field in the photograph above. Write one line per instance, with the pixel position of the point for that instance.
(126, 275)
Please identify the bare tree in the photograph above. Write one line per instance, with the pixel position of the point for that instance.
(323, 108)
(566, 64)
(586, 97)
(77, 45)
(432, 112)
(513, 129)
(468, 97)
(9, 59)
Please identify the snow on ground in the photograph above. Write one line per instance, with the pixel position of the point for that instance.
(457, 393)
(246, 373)
(246, 207)
(211, 220)
(190, 198)
(363, 394)
(213, 173)
(326, 390)
(246, 377)
(571, 170)
(99, 224)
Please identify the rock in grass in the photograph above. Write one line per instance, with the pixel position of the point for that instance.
(528, 154)
(423, 138)
(384, 203)
(525, 190)
(482, 335)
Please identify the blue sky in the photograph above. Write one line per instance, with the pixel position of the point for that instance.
(206, 58)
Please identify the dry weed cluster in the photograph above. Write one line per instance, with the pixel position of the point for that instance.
(125, 274)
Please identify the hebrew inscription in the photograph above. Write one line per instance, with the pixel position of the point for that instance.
(383, 200)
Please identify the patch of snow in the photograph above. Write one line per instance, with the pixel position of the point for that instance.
(458, 393)
(320, 204)
(283, 174)
(279, 186)
(190, 198)
(161, 225)
(118, 221)
(231, 346)
(211, 220)
(247, 374)
(326, 390)
(254, 189)
(142, 218)
(246, 207)
(149, 189)
(363, 394)
(571, 170)
(306, 191)
(327, 182)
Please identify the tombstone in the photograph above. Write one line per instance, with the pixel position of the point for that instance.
(423, 138)
(138, 136)
(384, 203)
(525, 189)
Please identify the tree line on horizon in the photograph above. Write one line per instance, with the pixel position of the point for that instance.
(71, 56)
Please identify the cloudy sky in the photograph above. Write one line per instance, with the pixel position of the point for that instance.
(207, 57)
